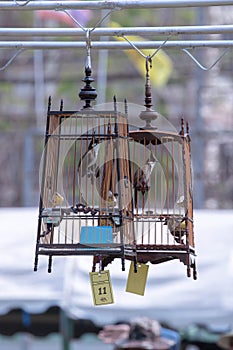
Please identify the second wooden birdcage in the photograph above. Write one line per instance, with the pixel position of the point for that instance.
(163, 200)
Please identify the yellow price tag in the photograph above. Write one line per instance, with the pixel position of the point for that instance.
(136, 282)
(101, 288)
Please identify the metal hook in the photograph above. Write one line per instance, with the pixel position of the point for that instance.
(88, 39)
(88, 46)
(100, 265)
(148, 61)
(200, 65)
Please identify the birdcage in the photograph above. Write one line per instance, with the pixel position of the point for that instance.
(160, 171)
(86, 206)
(162, 186)
(113, 190)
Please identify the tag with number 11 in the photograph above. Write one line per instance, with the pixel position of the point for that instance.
(101, 288)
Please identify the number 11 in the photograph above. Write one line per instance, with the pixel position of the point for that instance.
(102, 292)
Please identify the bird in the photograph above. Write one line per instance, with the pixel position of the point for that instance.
(111, 199)
(87, 163)
(57, 200)
(53, 216)
(141, 181)
(181, 201)
(177, 228)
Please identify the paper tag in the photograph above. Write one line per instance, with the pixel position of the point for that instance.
(101, 288)
(136, 282)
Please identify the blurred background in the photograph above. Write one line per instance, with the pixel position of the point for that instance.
(203, 98)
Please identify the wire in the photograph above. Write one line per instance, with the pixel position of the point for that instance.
(140, 52)
(24, 4)
(80, 25)
(74, 19)
(11, 59)
(200, 65)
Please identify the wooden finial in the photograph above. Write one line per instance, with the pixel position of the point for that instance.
(115, 103)
(126, 106)
(61, 105)
(148, 99)
(182, 127)
(49, 103)
(109, 128)
(88, 93)
(148, 115)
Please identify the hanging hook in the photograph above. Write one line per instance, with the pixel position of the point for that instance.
(148, 98)
(88, 93)
(148, 64)
(100, 265)
(88, 47)
(88, 39)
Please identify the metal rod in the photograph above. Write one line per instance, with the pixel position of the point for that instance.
(124, 31)
(111, 5)
(112, 45)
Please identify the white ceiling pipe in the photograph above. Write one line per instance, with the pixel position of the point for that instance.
(112, 45)
(127, 31)
(100, 5)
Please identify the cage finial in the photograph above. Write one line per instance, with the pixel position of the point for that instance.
(49, 104)
(88, 93)
(149, 114)
(61, 105)
(182, 127)
(115, 103)
(126, 106)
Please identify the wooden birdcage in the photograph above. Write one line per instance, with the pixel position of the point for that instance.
(111, 190)
(163, 203)
(86, 206)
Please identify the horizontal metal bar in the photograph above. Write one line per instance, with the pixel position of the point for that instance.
(112, 45)
(127, 31)
(114, 5)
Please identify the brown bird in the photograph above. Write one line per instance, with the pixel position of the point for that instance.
(87, 163)
(142, 180)
(177, 228)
